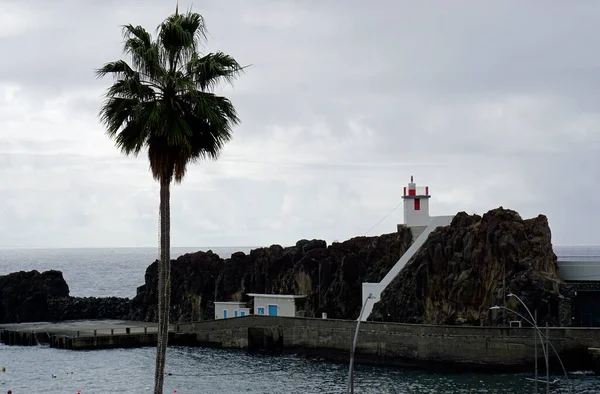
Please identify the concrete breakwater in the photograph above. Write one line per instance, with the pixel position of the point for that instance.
(492, 349)
(81, 335)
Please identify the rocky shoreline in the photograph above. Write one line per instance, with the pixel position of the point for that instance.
(460, 271)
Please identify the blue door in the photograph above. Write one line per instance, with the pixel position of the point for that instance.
(224, 313)
(235, 313)
(272, 310)
(243, 313)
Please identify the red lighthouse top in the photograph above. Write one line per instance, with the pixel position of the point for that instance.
(414, 191)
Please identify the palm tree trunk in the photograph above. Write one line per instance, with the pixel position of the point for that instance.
(164, 285)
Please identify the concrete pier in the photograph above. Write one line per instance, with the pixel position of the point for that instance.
(467, 348)
(82, 334)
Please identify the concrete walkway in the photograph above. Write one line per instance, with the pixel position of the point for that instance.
(84, 327)
(82, 334)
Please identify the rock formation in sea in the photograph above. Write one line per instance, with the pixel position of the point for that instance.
(330, 276)
(465, 268)
(24, 295)
(33, 296)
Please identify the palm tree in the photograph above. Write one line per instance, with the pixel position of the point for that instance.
(164, 102)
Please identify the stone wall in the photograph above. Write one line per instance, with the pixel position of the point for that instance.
(459, 347)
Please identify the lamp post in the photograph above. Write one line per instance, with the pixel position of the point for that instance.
(546, 352)
(536, 357)
(544, 349)
(351, 368)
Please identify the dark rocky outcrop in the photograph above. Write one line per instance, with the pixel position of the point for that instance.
(24, 295)
(33, 296)
(465, 268)
(330, 276)
(460, 271)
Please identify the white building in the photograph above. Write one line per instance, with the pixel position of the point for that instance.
(225, 310)
(275, 304)
(416, 205)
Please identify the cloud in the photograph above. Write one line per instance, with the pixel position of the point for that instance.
(488, 104)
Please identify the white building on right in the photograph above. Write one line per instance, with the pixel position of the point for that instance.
(275, 304)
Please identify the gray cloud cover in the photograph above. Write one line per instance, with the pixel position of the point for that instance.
(489, 103)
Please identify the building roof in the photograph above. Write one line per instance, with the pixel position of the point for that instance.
(276, 295)
(230, 302)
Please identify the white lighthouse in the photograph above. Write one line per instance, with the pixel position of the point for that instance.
(417, 219)
(416, 205)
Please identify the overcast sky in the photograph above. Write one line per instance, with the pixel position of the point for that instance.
(489, 103)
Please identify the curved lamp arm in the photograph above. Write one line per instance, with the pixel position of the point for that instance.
(522, 303)
(540, 334)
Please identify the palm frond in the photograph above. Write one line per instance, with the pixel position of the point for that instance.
(179, 36)
(120, 69)
(132, 138)
(132, 88)
(116, 112)
(144, 52)
(210, 70)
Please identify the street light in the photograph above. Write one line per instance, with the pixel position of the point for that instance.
(534, 344)
(351, 368)
(545, 350)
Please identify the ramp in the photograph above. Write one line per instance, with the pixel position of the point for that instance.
(373, 290)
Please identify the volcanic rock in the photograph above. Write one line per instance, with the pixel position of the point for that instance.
(465, 268)
(330, 276)
(24, 295)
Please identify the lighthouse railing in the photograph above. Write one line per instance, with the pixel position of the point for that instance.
(418, 190)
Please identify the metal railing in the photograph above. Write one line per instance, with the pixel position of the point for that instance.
(419, 191)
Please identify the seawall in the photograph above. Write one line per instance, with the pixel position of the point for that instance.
(492, 349)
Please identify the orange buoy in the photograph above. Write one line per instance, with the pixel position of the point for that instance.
(3, 369)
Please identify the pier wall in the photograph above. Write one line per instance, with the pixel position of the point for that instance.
(16, 338)
(462, 347)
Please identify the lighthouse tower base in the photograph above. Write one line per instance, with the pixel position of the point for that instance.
(415, 230)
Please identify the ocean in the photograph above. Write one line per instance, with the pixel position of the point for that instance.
(196, 370)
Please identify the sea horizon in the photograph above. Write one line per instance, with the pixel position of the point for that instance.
(224, 246)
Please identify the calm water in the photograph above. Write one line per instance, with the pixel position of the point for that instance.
(193, 370)
(85, 269)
